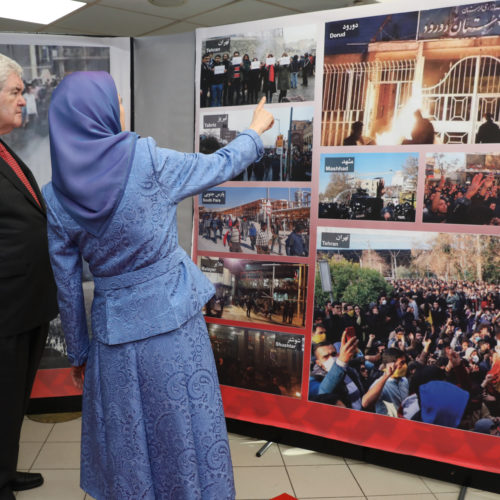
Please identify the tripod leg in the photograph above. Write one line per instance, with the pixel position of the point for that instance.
(264, 449)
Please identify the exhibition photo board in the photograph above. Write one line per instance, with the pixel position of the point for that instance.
(364, 245)
(46, 60)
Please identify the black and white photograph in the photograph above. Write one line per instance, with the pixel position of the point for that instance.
(44, 66)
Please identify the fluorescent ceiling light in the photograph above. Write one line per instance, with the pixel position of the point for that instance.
(38, 11)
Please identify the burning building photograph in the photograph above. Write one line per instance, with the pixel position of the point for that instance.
(462, 188)
(429, 77)
(273, 293)
(240, 68)
(368, 186)
(287, 145)
(258, 360)
(229, 220)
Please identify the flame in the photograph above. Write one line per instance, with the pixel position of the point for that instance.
(402, 123)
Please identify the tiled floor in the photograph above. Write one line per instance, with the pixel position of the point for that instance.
(53, 450)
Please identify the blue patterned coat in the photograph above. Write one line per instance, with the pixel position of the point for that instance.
(153, 423)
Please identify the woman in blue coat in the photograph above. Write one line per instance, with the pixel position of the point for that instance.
(153, 423)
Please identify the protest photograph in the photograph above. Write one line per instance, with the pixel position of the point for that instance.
(407, 324)
(272, 293)
(462, 188)
(368, 186)
(258, 360)
(44, 66)
(287, 145)
(429, 77)
(255, 220)
(240, 68)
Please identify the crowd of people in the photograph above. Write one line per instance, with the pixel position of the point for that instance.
(428, 351)
(471, 202)
(262, 237)
(240, 83)
(272, 166)
(273, 379)
(37, 95)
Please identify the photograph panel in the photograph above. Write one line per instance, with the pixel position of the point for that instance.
(287, 145)
(258, 360)
(368, 186)
(389, 82)
(462, 188)
(406, 324)
(240, 68)
(272, 293)
(253, 220)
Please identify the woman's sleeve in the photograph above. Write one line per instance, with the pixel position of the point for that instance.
(67, 266)
(187, 174)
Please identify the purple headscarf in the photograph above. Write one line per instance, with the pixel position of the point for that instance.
(91, 156)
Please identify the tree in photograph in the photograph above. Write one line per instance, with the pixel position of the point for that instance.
(459, 257)
(339, 182)
(352, 283)
(370, 259)
(410, 171)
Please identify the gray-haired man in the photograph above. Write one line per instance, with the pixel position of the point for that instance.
(27, 289)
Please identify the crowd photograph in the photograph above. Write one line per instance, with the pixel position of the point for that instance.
(462, 188)
(429, 77)
(241, 68)
(271, 293)
(408, 325)
(287, 145)
(258, 360)
(368, 186)
(268, 221)
(44, 67)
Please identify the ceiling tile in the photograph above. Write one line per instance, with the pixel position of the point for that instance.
(312, 5)
(112, 22)
(190, 8)
(56, 29)
(245, 10)
(179, 27)
(11, 25)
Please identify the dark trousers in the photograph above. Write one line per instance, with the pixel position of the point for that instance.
(19, 359)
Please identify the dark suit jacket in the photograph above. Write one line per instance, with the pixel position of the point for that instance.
(27, 287)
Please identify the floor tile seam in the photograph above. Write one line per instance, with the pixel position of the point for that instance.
(59, 442)
(36, 456)
(356, 480)
(315, 465)
(52, 468)
(266, 466)
(50, 432)
(289, 479)
(41, 441)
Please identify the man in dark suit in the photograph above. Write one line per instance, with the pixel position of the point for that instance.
(27, 289)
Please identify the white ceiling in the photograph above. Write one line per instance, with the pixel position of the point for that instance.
(140, 18)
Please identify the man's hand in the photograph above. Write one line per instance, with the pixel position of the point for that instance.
(347, 348)
(454, 358)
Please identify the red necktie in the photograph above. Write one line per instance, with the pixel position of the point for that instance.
(17, 169)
